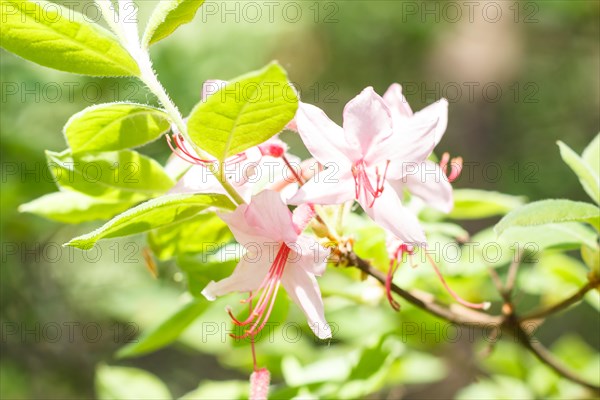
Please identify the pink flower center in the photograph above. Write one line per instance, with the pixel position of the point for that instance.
(268, 293)
(363, 184)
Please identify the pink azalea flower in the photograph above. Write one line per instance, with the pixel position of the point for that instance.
(368, 153)
(425, 180)
(260, 164)
(263, 227)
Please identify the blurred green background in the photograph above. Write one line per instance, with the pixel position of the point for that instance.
(517, 82)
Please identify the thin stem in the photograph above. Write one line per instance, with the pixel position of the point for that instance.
(464, 317)
(576, 297)
(546, 357)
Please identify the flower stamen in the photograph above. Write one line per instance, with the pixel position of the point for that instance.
(268, 293)
(478, 306)
(363, 183)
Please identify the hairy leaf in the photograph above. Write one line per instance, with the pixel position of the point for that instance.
(167, 17)
(60, 38)
(589, 179)
(550, 211)
(115, 126)
(245, 113)
(73, 207)
(203, 233)
(152, 214)
(113, 176)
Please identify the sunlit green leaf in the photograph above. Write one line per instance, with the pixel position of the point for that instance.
(73, 207)
(245, 113)
(589, 178)
(152, 214)
(591, 155)
(474, 204)
(167, 17)
(167, 331)
(568, 235)
(114, 175)
(205, 232)
(125, 383)
(550, 211)
(60, 38)
(115, 126)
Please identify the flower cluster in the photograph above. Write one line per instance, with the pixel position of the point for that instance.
(382, 151)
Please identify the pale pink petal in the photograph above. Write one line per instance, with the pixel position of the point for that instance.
(323, 138)
(389, 213)
(367, 120)
(270, 217)
(429, 183)
(303, 289)
(324, 189)
(397, 103)
(247, 276)
(302, 216)
(243, 232)
(210, 87)
(412, 143)
(309, 255)
(439, 111)
(197, 179)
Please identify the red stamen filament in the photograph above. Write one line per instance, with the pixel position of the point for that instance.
(181, 150)
(362, 182)
(479, 306)
(394, 263)
(264, 305)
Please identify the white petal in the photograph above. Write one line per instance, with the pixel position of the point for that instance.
(367, 120)
(390, 214)
(303, 289)
(324, 189)
(309, 255)
(439, 111)
(430, 184)
(247, 276)
(323, 138)
(397, 103)
(198, 179)
(270, 217)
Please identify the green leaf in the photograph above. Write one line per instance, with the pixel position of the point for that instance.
(60, 38)
(166, 332)
(125, 383)
(245, 113)
(152, 214)
(475, 204)
(589, 179)
(566, 235)
(200, 270)
(550, 211)
(167, 17)
(116, 126)
(114, 176)
(73, 207)
(196, 235)
(591, 154)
